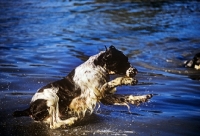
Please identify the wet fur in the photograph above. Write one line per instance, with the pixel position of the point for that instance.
(70, 99)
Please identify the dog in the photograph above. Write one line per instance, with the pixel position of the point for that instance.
(66, 101)
(194, 63)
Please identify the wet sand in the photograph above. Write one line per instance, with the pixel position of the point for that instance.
(106, 121)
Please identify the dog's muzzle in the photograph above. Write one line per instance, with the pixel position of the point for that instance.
(131, 72)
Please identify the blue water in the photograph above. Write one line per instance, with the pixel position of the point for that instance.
(42, 41)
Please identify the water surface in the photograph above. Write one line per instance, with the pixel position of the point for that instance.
(42, 41)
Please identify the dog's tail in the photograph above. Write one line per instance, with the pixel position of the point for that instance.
(25, 112)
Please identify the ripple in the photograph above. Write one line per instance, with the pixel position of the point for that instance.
(8, 65)
(153, 111)
(18, 93)
(39, 65)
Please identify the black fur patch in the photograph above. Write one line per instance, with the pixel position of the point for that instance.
(114, 60)
(66, 92)
(39, 110)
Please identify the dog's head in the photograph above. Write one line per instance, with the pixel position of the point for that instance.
(194, 63)
(116, 62)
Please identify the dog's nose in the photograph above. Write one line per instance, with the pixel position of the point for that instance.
(131, 72)
(135, 70)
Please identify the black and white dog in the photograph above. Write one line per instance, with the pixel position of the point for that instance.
(194, 63)
(68, 100)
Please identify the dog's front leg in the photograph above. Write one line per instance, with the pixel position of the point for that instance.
(109, 86)
(120, 99)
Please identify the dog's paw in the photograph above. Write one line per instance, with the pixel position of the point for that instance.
(129, 81)
(137, 100)
(71, 121)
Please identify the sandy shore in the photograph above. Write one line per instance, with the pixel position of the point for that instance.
(105, 122)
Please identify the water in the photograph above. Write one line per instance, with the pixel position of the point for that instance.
(42, 41)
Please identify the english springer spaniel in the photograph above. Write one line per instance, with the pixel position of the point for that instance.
(194, 63)
(70, 99)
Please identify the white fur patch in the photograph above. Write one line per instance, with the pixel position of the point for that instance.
(89, 78)
(197, 67)
(47, 94)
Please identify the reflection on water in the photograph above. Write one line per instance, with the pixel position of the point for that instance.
(42, 41)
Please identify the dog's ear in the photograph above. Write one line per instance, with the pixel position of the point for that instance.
(108, 53)
(107, 56)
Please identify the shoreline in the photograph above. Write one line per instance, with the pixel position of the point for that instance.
(104, 123)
